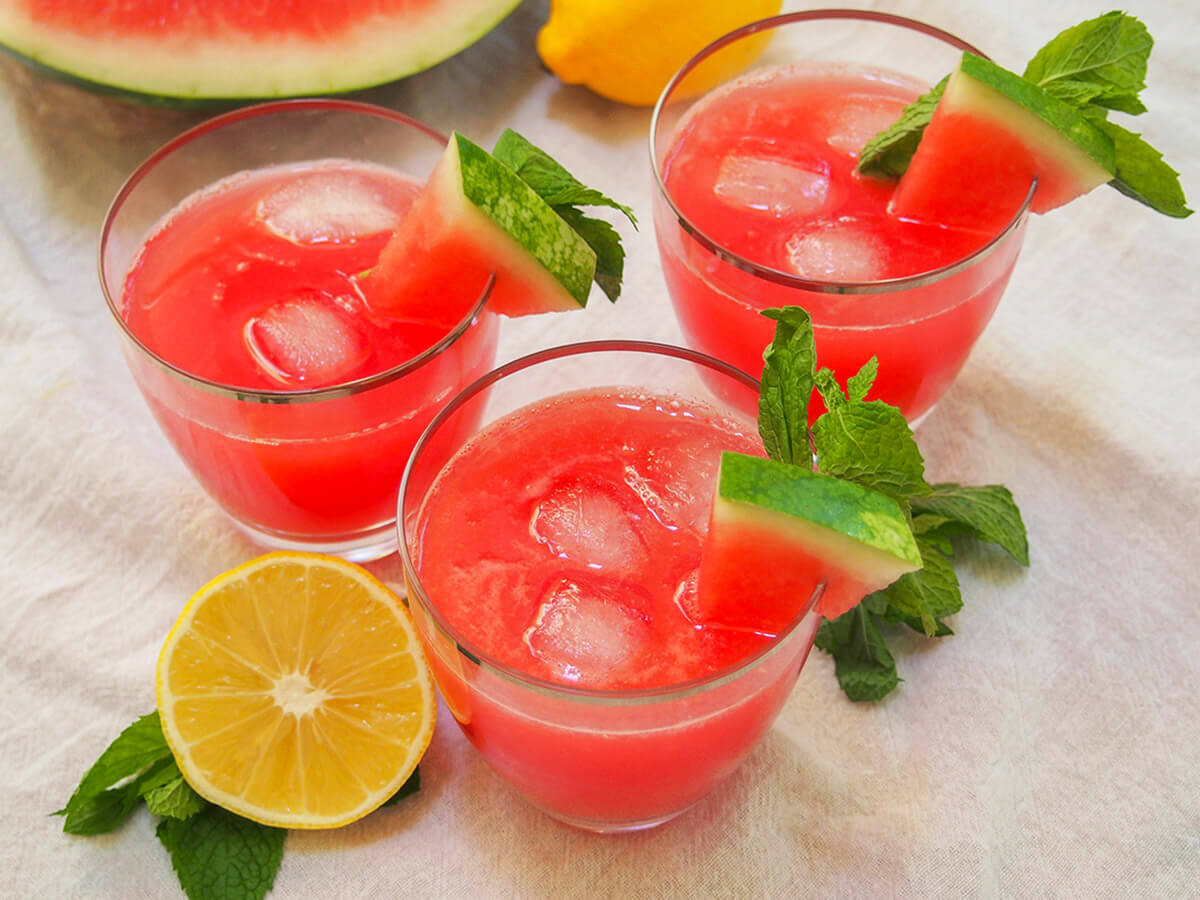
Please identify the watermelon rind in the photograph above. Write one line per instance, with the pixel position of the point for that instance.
(856, 529)
(1056, 131)
(533, 239)
(219, 62)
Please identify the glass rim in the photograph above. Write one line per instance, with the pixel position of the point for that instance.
(514, 676)
(778, 276)
(271, 395)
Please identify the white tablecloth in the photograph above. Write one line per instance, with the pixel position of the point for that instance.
(1049, 749)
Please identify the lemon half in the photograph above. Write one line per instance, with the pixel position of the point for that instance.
(292, 691)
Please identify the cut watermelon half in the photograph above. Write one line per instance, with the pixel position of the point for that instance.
(778, 531)
(475, 217)
(991, 135)
(226, 49)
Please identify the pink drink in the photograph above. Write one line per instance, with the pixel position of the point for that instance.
(252, 338)
(554, 558)
(585, 510)
(762, 206)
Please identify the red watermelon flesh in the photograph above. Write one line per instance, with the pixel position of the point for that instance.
(752, 579)
(968, 173)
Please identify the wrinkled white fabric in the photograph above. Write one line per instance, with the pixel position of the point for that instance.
(1049, 749)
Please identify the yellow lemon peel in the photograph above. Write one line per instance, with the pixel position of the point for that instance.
(627, 50)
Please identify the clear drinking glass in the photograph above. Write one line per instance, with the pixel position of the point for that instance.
(315, 469)
(603, 760)
(921, 327)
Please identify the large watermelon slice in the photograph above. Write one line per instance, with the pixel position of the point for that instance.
(228, 49)
(778, 530)
(476, 217)
(991, 135)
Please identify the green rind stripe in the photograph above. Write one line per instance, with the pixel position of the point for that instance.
(500, 194)
(1034, 101)
(842, 507)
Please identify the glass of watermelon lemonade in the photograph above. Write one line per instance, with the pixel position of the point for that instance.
(552, 519)
(758, 204)
(235, 262)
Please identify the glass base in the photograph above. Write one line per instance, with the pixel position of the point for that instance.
(606, 827)
(914, 424)
(364, 546)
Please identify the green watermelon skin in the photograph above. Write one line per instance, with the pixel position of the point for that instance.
(778, 531)
(171, 51)
(991, 136)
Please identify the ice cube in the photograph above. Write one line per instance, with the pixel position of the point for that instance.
(685, 598)
(307, 340)
(859, 117)
(326, 206)
(675, 483)
(771, 186)
(586, 628)
(835, 251)
(582, 519)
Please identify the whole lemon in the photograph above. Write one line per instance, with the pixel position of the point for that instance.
(627, 50)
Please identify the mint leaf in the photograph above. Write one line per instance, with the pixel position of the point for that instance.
(1143, 174)
(987, 512)
(553, 183)
(106, 811)
(1101, 58)
(174, 798)
(921, 598)
(937, 530)
(565, 193)
(870, 443)
(96, 803)
(787, 385)
(221, 856)
(410, 787)
(859, 384)
(863, 665)
(888, 154)
(604, 240)
(1126, 103)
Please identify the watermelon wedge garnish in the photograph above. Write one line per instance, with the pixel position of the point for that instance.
(477, 217)
(993, 133)
(779, 530)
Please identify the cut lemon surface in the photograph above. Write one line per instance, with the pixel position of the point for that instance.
(293, 691)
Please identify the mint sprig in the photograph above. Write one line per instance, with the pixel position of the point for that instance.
(1096, 67)
(216, 854)
(870, 443)
(565, 194)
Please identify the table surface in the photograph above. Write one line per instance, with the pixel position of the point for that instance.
(1049, 749)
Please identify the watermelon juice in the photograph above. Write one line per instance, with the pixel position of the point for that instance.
(760, 205)
(551, 560)
(237, 262)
